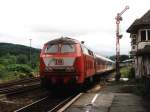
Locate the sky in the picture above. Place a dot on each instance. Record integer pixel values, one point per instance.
(92, 21)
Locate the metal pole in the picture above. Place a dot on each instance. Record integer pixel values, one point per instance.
(30, 60)
(118, 74)
(118, 37)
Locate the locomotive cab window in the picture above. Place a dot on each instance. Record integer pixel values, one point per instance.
(60, 48)
(67, 48)
(51, 49)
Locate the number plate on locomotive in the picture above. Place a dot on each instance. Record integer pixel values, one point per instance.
(59, 62)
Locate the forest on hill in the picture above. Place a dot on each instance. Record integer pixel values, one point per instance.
(15, 61)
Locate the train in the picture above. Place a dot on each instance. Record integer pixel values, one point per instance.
(65, 61)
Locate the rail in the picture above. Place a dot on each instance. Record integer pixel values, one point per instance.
(47, 104)
(19, 81)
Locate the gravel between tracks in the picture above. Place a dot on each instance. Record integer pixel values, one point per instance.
(13, 102)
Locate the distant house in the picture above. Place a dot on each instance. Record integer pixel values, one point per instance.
(140, 45)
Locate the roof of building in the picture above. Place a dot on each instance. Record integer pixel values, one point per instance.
(143, 22)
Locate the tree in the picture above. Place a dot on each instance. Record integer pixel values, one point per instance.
(22, 59)
(122, 57)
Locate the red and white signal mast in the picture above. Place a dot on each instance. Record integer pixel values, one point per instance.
(118, 36)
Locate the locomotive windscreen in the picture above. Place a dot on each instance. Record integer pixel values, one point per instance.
(60, 48)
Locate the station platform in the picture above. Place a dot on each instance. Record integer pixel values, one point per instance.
(109, 99)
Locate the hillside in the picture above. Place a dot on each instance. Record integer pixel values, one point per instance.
(15, 62)
(15, 49)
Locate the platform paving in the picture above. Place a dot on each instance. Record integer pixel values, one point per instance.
(91, 103)
(110, 99)
(127, 103)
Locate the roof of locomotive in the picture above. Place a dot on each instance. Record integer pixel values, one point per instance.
(104, 58)
(64, 40)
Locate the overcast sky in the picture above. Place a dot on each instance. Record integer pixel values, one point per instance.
(90, 20)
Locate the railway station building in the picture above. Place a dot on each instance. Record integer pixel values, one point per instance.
(140, 45)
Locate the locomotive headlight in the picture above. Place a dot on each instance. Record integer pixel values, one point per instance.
(70, 69)
(48, 69)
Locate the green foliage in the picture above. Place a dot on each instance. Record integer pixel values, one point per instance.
(132, 73)
(14, 61)
(8, 59)
(4, 61)
(122, 57)
(2, 68)
(12, 58)
(127, 72)
(142, 85)
(19, 68)
(124, 72)
(18, 54)
(14, 49)
(22, 59)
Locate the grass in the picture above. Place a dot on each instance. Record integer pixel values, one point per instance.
(125, 72)
(141, 86)
(12, 75)
(5, 77)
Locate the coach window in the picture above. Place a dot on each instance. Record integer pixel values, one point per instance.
(51, 49)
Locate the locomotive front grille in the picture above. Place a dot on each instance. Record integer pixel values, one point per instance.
(59, 70)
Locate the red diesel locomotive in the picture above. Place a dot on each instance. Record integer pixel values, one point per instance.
(66, 60)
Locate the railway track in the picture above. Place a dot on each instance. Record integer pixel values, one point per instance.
(15, 99)
(18, 82)
(43, 102)
(11, 91)
(14, 90)
(55, 104)
(48, 104)
(22, 85)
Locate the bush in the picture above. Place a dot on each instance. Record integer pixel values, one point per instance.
(124, 72)
(2, 69)
(131, 73)
(19, 68)
(4, 61)
(21, 75)
(22, 59)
